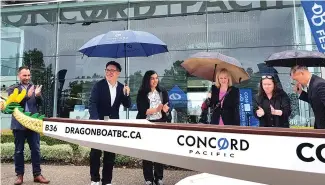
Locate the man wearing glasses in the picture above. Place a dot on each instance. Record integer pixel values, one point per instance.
(106, 97)
(315, 94)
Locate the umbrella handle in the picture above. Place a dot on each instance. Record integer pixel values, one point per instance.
(125, 84)
(214, 73)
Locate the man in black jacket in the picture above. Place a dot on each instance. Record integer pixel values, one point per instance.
(315, 94)
(106, 97)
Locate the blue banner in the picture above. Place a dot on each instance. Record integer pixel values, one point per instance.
(246, 108)
(315, 13)
(177, 97)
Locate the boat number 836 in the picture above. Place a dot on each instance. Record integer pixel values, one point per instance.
(51, 128)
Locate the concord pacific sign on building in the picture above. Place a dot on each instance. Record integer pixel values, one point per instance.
(109, 11)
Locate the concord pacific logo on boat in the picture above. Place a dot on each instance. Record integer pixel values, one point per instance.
(212, 146)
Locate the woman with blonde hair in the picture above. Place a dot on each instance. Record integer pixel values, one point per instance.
(224, 100)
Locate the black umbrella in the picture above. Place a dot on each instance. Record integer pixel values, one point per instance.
(292, 58)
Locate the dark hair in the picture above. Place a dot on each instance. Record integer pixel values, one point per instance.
(23, 67)
(296, 68)
(117, 65)
(145, 86)
(261, 91)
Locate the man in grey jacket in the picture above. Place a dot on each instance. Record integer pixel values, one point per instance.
(30, 103)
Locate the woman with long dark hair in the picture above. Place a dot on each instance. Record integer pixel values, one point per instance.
(152, 104)
(272, 104)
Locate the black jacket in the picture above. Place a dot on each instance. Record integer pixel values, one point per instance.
(143, 104)
(316, 98)
(100, 101)
(230, 109)
(280, 101)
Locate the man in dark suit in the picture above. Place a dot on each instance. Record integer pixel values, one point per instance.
(315, 94)
(106, 97)
(30, 104)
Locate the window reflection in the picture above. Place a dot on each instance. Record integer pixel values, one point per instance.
(186, 27)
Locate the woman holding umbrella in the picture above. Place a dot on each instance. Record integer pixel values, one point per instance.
(152, 103)
(272, 104)
(224, 100)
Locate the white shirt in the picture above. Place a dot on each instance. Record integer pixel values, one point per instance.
(155, 101)
(308, 82)
(112, 91)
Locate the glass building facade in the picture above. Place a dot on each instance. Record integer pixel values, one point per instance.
(47, 36)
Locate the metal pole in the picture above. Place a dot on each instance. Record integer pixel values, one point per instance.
(295, 24)
(209, 115)
(206, 25)
(308, 47)
(127, 59)
(55, 103)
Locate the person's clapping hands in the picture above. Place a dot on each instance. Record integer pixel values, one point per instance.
(38, 90)
(275, 111)
(260, 112)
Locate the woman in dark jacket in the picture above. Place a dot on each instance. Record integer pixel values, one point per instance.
(224, 100)
(152, 103)
(272, 104)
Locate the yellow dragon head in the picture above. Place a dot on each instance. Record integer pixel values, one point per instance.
(14, 98)
(11, 106)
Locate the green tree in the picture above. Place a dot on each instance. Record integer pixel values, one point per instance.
(135, 81)
(176, 75)
(294, 101)
(95, 75)
(41, 75)
(79, 92)
(34, 60)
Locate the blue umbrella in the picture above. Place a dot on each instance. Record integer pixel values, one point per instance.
(127, 43)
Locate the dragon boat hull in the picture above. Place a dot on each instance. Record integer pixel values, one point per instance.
(262, 155)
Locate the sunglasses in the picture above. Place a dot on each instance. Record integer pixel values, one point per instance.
(267, 77)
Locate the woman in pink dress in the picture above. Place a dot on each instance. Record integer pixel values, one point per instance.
(224, 100)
